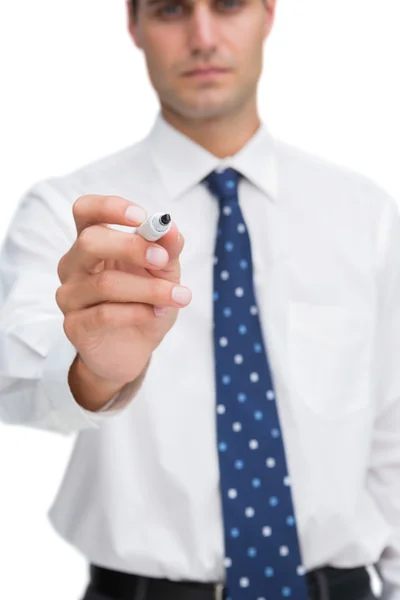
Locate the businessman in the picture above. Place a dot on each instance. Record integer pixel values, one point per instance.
(235, 386)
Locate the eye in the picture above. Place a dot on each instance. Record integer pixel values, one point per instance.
(170, 10)
(231, 3)
(175, 9)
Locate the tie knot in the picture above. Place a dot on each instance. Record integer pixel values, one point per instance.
(224, 184)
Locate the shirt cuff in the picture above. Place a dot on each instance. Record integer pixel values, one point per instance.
(54, 385)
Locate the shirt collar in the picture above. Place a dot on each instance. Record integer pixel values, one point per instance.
(182, 163)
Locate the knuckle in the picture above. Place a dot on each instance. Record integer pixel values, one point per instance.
(70, 326)
(60, 268)
(60, 297)
(86, 240)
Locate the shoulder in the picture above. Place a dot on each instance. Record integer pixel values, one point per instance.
(122, 173)
(327, 182)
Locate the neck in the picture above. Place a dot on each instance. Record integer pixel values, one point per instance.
(221, 136)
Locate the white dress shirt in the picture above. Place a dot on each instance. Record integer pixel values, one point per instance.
(141, 491)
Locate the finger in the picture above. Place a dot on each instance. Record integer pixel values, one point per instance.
(95, 209)
(105, 317)
(98, 243)
(118, 286)
(173, 242)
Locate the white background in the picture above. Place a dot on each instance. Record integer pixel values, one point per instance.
(74, 88)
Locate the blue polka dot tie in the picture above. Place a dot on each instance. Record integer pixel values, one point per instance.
(262, 555)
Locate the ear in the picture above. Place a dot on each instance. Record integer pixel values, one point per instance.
(270, 7)
(132, 24)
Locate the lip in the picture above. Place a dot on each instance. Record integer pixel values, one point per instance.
(206, 73)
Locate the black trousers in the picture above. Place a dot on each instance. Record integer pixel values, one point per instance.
(323, 584)
(90, 595)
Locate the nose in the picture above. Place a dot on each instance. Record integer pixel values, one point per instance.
(203, 31)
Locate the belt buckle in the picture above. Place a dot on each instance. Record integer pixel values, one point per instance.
(219, 591)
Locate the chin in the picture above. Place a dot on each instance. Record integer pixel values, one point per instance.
(198, 104)
(200, 114)
(206, 107)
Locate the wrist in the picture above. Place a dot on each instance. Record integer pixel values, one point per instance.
(90, 391)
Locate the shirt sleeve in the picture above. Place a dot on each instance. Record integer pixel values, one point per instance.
(384, 469)
(35, 353)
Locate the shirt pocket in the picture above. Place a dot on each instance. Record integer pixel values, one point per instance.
(329, 358)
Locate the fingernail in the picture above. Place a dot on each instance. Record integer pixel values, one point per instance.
(181, 295)
(157, 256)
(136, 214)
(160, 311)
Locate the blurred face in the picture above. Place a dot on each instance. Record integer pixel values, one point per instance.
(204, 57)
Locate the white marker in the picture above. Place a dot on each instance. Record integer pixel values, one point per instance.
(154, 227)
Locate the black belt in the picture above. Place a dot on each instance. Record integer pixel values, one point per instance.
(326, 583)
